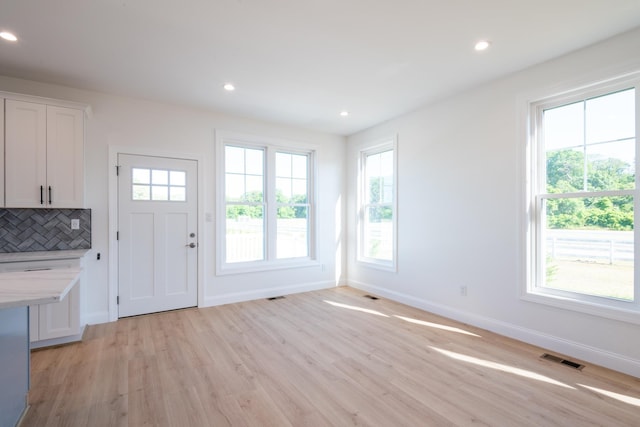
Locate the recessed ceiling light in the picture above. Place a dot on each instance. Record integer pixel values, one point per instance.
(482, 45)
(8, 36)
(229, 87)
(344, 113)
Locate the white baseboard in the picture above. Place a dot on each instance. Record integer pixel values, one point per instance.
(95, 318)
(57, 341)
(587, 353)
(234, 297)
(103, 316)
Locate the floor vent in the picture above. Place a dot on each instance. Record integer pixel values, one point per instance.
(275, 298)
(562, 361)
(371, 297)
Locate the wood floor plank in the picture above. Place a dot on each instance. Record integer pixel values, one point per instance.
(325, 358)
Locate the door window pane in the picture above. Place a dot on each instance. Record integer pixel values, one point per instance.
(178, 178)
(141, 192)
(159, 177)
(177, 194)
(159, 193)
(158, 185)
(140, 176)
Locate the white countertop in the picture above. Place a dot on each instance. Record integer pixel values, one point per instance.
(22, 288)
(41, 255)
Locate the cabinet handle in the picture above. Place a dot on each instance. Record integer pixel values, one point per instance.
(41, 195)
(49, 194)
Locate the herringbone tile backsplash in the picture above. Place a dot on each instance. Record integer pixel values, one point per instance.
(31, 230)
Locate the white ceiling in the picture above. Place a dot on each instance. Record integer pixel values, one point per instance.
(297, 62)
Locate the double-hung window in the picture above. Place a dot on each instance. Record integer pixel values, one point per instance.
(266, 200)
(377, 205)
(583, 194)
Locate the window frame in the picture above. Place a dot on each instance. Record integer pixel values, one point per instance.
(628, 311)
(270, 147)
(377, 147)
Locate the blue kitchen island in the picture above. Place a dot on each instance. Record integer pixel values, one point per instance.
(18, 290)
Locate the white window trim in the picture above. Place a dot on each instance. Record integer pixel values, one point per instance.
(599, 306)
(270, 145)
(378, 146)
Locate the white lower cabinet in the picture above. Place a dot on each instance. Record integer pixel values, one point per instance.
(56, 320)
(55, 323)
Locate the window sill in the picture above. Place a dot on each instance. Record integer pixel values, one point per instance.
(629, 314)
(378, 265)
(257, 267)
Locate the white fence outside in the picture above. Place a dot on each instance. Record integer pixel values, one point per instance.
(245, 239)
(592, 245)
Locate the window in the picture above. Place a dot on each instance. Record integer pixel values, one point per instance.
(267, 205)
(245, 204)
(158, 185)
(292, 201)
(583, 195)
(377, 206)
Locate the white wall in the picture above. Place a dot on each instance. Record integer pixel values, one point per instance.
(143, 125)
(461, 199)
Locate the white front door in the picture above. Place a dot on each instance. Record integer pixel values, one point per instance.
(157, 234)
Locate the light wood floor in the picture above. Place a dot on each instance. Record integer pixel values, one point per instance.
(326, 358)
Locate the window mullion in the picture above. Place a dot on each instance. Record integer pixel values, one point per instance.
(271, 206)
(582, 194)
(585, 161)
(636, 213)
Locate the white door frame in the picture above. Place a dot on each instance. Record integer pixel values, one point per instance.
(114, 151)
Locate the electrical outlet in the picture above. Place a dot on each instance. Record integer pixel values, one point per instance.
(75, 224)
(463, 291)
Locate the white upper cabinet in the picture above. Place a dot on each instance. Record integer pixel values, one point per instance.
(44, 155)
(65, 157)
(25, 154)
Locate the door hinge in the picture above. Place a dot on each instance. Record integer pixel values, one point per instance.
(118, 300)
(117, 170)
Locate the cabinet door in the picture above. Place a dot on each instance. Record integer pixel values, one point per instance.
(62, 318)
(25, 154)
(65, 157)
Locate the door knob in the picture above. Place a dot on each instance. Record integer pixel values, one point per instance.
(191, 245)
